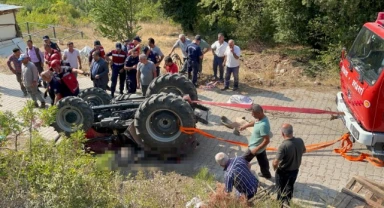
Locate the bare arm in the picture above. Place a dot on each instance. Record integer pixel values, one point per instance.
(138, 78)
(250, 124)
(262, 145)
(79, 59)
(10, 66)
(275, 164)
(78, 71)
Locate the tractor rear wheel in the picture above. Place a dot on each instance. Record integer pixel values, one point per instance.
(72, 114)
(172, 83)
(95, 96)
(158, 120)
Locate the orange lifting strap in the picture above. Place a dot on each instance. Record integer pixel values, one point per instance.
(346, 145)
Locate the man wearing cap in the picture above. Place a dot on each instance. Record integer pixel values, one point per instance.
(194, 55)
(99, 71)
(72, 56)
(159, 54)
(118, 58)
(16, 68)
(135, 45)
(51, 44)
(259, 140)
(96, 47)
(182, 43)
(30, 76)
(238, 175)
(131, 69)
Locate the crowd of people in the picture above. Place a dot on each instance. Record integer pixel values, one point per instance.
(135, 66)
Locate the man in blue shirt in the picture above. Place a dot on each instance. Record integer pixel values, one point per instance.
(194, 56)
(259, 140)
(238, 175)
(131, 69)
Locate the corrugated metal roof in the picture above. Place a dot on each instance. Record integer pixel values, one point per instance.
(6, 7)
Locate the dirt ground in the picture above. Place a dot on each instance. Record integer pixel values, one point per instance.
(260, 66)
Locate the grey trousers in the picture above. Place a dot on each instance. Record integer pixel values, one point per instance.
(35, 95)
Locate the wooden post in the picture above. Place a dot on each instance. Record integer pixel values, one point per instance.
(29, 34)
(54, 32)
(82, 34)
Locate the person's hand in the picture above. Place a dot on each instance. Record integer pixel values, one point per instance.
(232, 49)
(121, 71)
(242, 128)
(97, 76)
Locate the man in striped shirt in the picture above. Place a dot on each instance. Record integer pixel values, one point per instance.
(238, 175)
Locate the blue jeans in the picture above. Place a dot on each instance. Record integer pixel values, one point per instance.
(218, 62)
(115, 74)
(285, 181)
(193, 67)
(229, 71)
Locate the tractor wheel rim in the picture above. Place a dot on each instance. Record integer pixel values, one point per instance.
(93, 100)
(164, 125)
(69, 118)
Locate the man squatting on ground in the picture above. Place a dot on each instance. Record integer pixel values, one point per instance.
(238, 175)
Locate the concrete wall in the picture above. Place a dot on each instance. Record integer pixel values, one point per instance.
(7, 31)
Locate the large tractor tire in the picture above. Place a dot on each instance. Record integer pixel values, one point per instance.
(95, 96)
(172, 83)
(157, 123)
(73, 113)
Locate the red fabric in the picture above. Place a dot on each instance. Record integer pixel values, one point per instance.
(118, 57)
(131, 46)
(173, 69)
(52, 56)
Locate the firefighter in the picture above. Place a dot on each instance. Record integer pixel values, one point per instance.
(117, 63)
(62, 81)
(131, 69)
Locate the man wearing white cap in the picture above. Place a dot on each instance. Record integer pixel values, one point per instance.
(238, 175)
(30, 76)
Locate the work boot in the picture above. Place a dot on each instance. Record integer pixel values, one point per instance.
(25, 94)
(264, 176)
(189, 75)
(42, 105)
(36, 105)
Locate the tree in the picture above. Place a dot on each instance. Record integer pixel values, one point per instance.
(183, 12)
(115, 19)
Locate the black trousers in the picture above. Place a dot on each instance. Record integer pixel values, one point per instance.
(261, 159)
(285, 181)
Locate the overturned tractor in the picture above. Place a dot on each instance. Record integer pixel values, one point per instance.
(152, 123)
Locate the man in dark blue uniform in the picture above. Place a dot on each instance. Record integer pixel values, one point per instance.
(131, 69)
(194, 56)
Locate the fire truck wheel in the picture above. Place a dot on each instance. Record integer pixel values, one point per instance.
(73, 114)
(158, 120)
(95, 96)
(172, 83)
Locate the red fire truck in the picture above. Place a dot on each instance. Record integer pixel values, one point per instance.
(362, 91)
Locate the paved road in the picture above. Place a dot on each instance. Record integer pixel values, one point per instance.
(323, 173)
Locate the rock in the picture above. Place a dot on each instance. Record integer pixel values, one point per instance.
(317, 83)
(282, 71)
(277, 69)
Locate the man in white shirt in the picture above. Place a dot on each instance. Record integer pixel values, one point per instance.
(218, 50)
(232, 64)
(72, 56)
